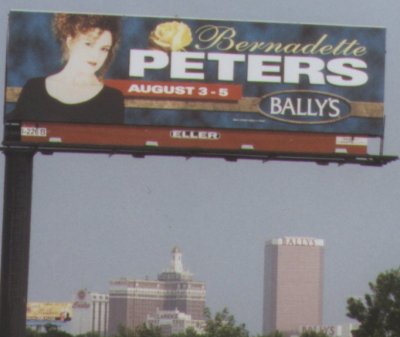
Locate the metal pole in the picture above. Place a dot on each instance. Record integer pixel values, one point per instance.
(15, 242)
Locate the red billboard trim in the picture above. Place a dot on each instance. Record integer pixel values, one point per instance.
(168, 138)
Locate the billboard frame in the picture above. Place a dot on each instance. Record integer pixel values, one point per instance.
(232, 156)
(322, 40)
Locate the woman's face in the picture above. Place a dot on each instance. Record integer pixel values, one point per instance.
(88, 51)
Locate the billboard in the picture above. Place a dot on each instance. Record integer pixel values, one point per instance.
(49, 311)
(95, 81)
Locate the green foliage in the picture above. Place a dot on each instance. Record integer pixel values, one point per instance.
(57, 333)
(274, 334)
(51, 331)
(311, 333)
(147, 331)
(32, 333)
(379, 312)
(124, 332)
(223, 324)
(89, 334)
(190, 332)
(141, 331)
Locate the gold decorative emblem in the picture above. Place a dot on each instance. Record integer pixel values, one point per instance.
(171, 36)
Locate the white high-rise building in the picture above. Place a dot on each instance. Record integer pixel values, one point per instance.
(90, 313)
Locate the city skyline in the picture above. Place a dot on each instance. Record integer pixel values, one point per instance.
(293, 279)
(96, 217)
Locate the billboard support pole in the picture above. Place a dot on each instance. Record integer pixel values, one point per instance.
(382, 138)
(15, 242)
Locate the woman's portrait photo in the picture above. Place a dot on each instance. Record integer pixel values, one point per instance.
(76, 93)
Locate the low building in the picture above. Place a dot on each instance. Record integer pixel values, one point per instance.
(343, 330)
(173, 321)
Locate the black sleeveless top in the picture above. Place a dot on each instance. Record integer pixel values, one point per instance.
(36, 105)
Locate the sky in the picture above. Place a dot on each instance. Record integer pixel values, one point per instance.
(97, 217)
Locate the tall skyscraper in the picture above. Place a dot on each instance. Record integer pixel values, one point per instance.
(132, 300)
(293, 283)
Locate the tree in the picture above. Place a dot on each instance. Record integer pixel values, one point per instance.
(32, 333)
(190, 332)
(145, 330)
(140, 331)
(312, 333)
(56, 333)
(223, 324)
(379, 312)
(89, 334)
(274, 334)
(123, 331)
(51, 331)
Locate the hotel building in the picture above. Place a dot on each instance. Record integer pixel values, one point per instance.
(293, 281)
(132, 300)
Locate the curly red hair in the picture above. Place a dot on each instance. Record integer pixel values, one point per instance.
(65, 25)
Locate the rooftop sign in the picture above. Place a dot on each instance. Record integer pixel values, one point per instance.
(298, 241)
